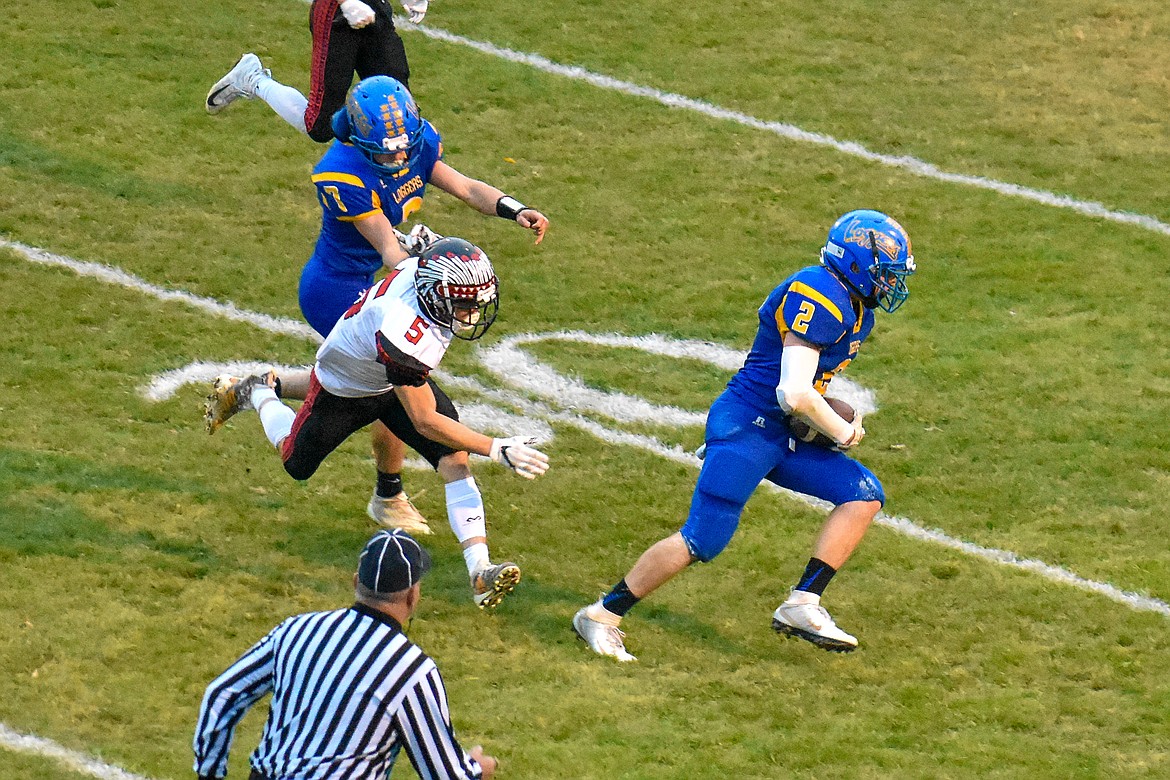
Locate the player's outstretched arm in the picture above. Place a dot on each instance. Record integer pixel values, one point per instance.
(515, 452)
(419, 403)
(487, 199)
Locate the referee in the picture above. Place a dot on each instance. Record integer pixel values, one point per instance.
(349, 690)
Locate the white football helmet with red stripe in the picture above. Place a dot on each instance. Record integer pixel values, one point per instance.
(457, 287)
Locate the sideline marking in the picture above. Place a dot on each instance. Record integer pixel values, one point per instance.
(793, 133)
(1135, 601)
(47, 748)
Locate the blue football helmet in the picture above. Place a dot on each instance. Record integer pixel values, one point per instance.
(381, 118)
(871, 254)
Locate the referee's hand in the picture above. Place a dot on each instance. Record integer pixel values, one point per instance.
(487, 763)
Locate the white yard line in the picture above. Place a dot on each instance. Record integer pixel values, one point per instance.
(793, 133)
(24, 743)
(47, 748)
(166, 385)
(719, 356)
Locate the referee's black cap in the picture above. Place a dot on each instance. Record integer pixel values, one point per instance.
(392, 561)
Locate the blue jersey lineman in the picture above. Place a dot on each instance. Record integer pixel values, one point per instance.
(810, 328)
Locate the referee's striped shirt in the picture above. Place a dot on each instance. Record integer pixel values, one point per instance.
(349, 691)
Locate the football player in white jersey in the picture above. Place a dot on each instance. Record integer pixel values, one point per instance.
(375, 365)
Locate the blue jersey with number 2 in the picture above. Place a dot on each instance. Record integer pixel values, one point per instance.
(815, 306)
(747, 436)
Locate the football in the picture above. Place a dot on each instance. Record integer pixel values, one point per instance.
(800, 429)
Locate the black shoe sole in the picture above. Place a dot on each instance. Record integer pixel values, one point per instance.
(832, 645)
(212, 97)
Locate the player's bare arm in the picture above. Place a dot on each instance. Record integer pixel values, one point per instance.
(376, 229)
(419, 403)
(514, 452)
(487, 199)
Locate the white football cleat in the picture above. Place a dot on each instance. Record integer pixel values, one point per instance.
(240, 82)
(810, 621)
(397, 512)
(603, 638)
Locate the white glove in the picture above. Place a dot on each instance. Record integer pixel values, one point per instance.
(516, 454)
(420, 238)
(856, 437)
(357, 13)
(416, 8)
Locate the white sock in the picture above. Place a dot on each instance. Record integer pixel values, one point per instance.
(476, 557)
(276, 418)
(286, 101)
(465, 509)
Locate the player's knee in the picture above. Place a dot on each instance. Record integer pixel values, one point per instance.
(453, 467)
(322, 131)
(705, 543)
(711, 525)
(299, 469)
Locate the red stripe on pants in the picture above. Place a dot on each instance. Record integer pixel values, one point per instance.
(286, 447)
(321, 25)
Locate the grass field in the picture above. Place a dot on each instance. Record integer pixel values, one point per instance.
(1021, 390)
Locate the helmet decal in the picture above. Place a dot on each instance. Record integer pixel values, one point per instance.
(871, 255)
(384, 124)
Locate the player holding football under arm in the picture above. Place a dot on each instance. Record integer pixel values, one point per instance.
(369, 180)
(375, 365)
(811, 327)
(348, 36)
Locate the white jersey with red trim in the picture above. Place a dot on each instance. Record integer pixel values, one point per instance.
(383, 340)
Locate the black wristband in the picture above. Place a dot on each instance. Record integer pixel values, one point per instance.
(509, 208)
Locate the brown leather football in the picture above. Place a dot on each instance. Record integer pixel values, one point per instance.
(805, 432)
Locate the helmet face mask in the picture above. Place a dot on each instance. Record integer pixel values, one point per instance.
(384, 124)
(457, 287)
(871, 254)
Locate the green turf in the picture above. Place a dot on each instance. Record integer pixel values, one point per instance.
(1021, 389)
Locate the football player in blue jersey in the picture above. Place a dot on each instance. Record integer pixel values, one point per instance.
(811, 327)
(373, 177)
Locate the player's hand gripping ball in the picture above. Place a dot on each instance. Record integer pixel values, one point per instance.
(800, 429)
